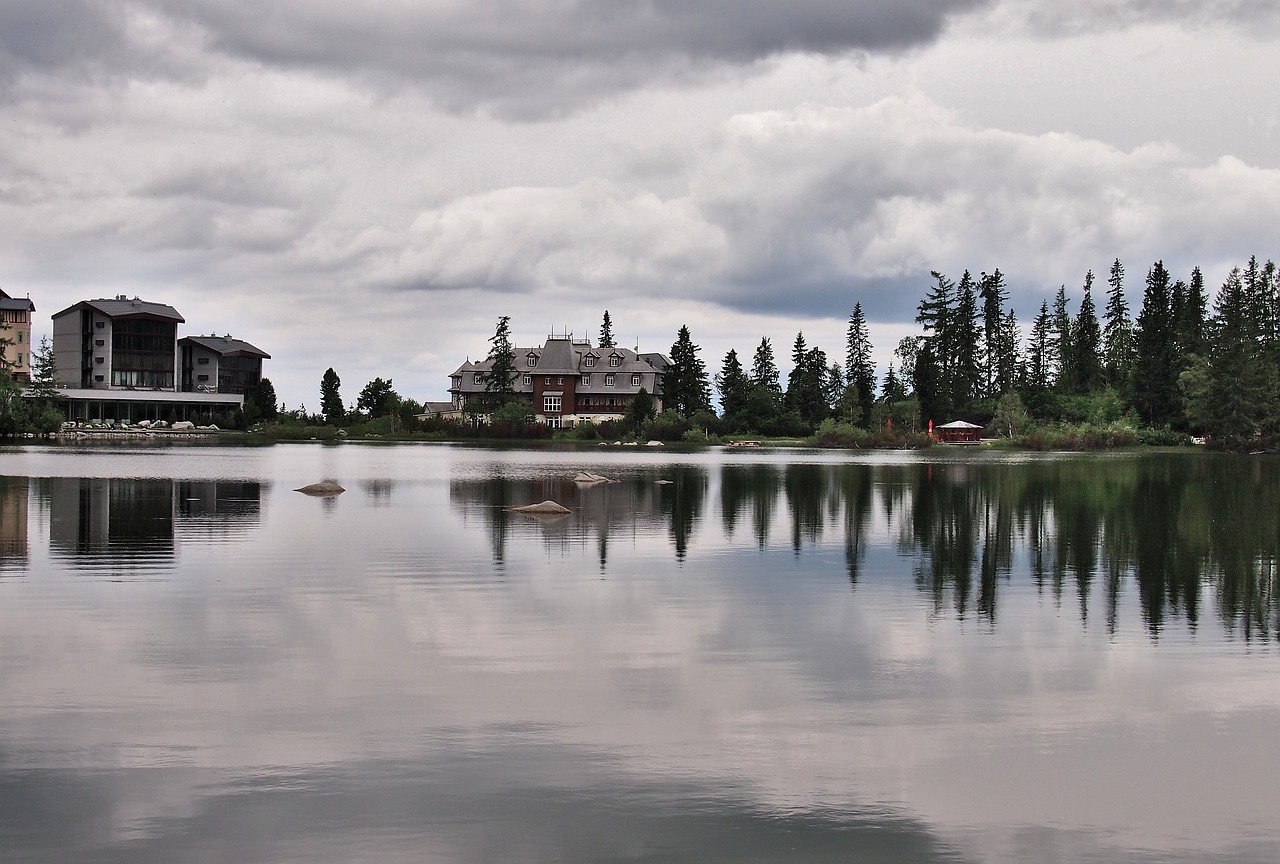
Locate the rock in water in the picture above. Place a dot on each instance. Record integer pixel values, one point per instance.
(324, 490)
(546, 508)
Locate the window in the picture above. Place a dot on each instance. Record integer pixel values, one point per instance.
(586, 400)
(97, 378)
(100, 324)
(479, 378)
(19, 337)
(202, 377)
(635, 380)
(591, 361)
(610, 400)
(608, 380)
(559, 379)
(528, 380)
(202, 360)
(533, 361)
(550, 404)
(99, 360)
(100, 342)
(547, 380)
(586, 380)
(19, 359)
(615, 360)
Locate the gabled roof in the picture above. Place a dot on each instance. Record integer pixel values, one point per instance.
(123, 307)
(19, 304)
(226, 346)
(958, 424)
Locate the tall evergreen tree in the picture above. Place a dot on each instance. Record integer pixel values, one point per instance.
(330, 397)
(967, 375)
(500, 377)
(1064, 357)
(1117, 332)
(936, 313)
(994, 295)
(685, 386)
(733, 385)
(1235, 395)
(1191, 319)
(927, 381)
(859, 369)
(1008, 355)
(1087, 343)
(764, 369)
(1155, 367)
(606, 332)
(1039, 367)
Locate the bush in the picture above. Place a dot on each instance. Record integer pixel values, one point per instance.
(833, 433)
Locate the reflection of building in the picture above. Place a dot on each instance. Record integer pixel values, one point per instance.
(569, 381)
(117, 360)
(220, 364)
(13, 521)
(132, 520)
(115, 517)
(15, 326)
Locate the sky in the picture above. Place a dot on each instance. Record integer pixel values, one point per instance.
(370, 186)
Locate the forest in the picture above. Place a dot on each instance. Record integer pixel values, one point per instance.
(1182, 365)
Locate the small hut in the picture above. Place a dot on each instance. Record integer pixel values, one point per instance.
(958, 432)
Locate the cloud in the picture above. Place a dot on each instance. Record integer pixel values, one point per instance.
(531, 59)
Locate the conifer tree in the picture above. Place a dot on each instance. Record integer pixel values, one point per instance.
(685, 384)
(1117, 332)
(764, 370)
(858, 366)
(330, 398)
(1191, 319)
(936, 314)
(993, 296)
(606, 332)
(1155, 367)
(966, 376)
(1064, 357)
(1039, 369)
(733, 385)
(1087, 343)
(499, 378)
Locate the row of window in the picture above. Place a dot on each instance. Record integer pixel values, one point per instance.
(559, 379)
(614, 360)
(551, 404)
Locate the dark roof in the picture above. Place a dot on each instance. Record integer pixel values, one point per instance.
(20, 303)
(123, 307)
(225, 345)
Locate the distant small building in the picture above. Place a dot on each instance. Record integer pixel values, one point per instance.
(570, 381)
(958, 432)
(15, 326)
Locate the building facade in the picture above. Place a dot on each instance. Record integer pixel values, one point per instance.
(219, 364)
(120, 360)
(15, 333)
(570, 381)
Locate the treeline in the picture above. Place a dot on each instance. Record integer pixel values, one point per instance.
(1179, 367)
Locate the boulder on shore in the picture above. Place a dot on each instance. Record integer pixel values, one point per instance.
(182, 426)
(324, 490)
(546, 508)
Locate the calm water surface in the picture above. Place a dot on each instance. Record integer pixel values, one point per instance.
(794, 656)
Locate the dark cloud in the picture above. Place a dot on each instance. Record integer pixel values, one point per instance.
(527, 59)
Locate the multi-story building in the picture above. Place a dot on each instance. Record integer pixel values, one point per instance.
(15, 331)
(220, 364)
(570, 381)
(118, 360)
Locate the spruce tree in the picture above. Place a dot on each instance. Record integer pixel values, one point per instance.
(330, 397)
(606, 332)
(1087, 343)
(685, 387)
(936, 314)
(858, 366)
(1155, 367)
(967, 375)
(1117, 332)
(994, 295)
(1064, 357)
(498, 380)
(733, 385)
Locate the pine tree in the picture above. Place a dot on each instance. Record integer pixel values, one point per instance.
(994, 295)
(1087, 343)
(764, 370)
(330, 397)
(967, 375)
(1155, 367)
(1064, 357)
(733, 385)
(685, 384)
(858, 366)
(606, 332)
(1117, 333)
(499, 378)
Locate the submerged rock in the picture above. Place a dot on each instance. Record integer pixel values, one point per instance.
(588, 477)
(546, 508)
(326, 489)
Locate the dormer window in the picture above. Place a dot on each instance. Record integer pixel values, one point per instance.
(533, 360)
(615, 360)
(590, 361)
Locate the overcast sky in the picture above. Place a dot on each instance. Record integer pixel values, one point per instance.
(368, 186)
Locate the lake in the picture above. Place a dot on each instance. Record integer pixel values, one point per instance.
(725, 656)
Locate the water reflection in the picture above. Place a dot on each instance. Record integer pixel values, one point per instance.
(1077, 528)
(136, 523)
(13, 522)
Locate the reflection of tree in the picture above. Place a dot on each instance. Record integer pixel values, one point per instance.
(806, 487)
(943, 527)
(753, 486)
(854, 485)
(681, 502)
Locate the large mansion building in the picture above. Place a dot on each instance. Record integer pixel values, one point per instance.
(570, 381)
(15, 329)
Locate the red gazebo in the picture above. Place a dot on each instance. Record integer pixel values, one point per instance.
(958, 432)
